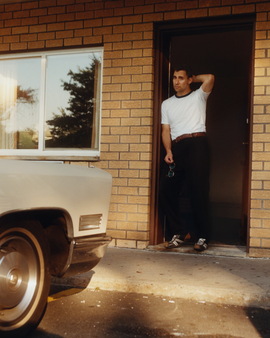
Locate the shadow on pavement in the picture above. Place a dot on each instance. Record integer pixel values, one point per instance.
(260, 318)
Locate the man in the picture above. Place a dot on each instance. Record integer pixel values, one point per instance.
(187, 155)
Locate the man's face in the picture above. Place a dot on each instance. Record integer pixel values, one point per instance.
(181, 83)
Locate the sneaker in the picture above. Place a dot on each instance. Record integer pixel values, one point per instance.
(201, 245)
(177, 240)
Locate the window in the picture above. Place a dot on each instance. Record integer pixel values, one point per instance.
(50, 104)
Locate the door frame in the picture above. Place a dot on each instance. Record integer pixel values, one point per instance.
(163, 32)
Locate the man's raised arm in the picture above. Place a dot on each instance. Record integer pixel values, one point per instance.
(207, 80)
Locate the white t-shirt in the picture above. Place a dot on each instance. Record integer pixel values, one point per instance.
(186, 114)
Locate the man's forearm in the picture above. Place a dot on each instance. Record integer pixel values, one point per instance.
(207, 80)
(166, 140)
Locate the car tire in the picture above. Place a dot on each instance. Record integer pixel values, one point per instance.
(24, 277)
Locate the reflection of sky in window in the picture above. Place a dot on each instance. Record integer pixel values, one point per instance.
(26, 73)
(57, 69)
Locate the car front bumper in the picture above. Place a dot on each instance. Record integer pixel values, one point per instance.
(85, 254)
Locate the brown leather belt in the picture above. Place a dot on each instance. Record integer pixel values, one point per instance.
(179, 138)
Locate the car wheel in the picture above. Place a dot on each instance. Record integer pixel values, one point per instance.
(24, 277)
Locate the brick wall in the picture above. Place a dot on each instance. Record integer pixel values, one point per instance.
(125, 28)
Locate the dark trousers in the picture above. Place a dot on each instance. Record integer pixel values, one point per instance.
(191, 158)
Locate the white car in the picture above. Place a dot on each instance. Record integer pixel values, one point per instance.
(53, 220)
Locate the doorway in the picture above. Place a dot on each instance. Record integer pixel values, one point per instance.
(225, 49)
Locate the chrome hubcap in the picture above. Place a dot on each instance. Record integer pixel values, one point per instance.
(14, 278)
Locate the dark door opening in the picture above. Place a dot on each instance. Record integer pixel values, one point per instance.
(226, 52)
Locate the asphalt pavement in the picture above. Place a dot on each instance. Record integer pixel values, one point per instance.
(222, 275)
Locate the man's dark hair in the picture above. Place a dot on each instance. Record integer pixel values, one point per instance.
(184, 67)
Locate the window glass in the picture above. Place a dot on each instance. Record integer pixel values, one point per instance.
(71, 93)
(50, 104)
(19, 103)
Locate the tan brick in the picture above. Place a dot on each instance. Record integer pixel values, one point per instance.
(47, 3)
(138, 199)
(137, 235)
(111, 105)
(258, 253)
(46, 36)
(145, 192)
(137, 182)
(127, 225)
(21, 14)
(120, 113)
(196, 13)
(254, 213)
(255, 242)
(139, 165)
(259, 71)
(266, 223)
(266, 185)
(259, 90)
(128, 191)
(262, 62)
(187, 4)
(243, 9)
(141, 112)
(260, 233)
(30, 5)
(265, 243)
(54, 43)
(126, 243)
(258, 128)
(130, 121)
(146, 157)
(122, 29)
(256, 204)
(36, 45)
(119, 147)
(120, 96)
(74, 25)
(110, 139)
(142, 78)
(57, 10)
(261, 99)
(141, 130)
(141, 147)
(112, 21)
(220, 11)
(20, 30)
(92, 23)
(132, 53)
(120, 130)
(12, 7)
(143, 244)
(266, 204)
(263, 7)
(103, 13)
(129, 173)
(109, 156)
(129, 156)
(261, 81)
(18, 46)
(256, 185)
(55, 27)
(119, 199)
(11, 39)
(257, 166)
(260, 194)
(255, 223)
(116, 233)
(92, 40)
(131, 87)
(132, 19)
(47, 19)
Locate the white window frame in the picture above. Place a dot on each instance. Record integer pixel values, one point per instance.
(63, 154)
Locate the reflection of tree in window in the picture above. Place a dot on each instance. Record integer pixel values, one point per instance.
(14, 105)
(74, 127)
